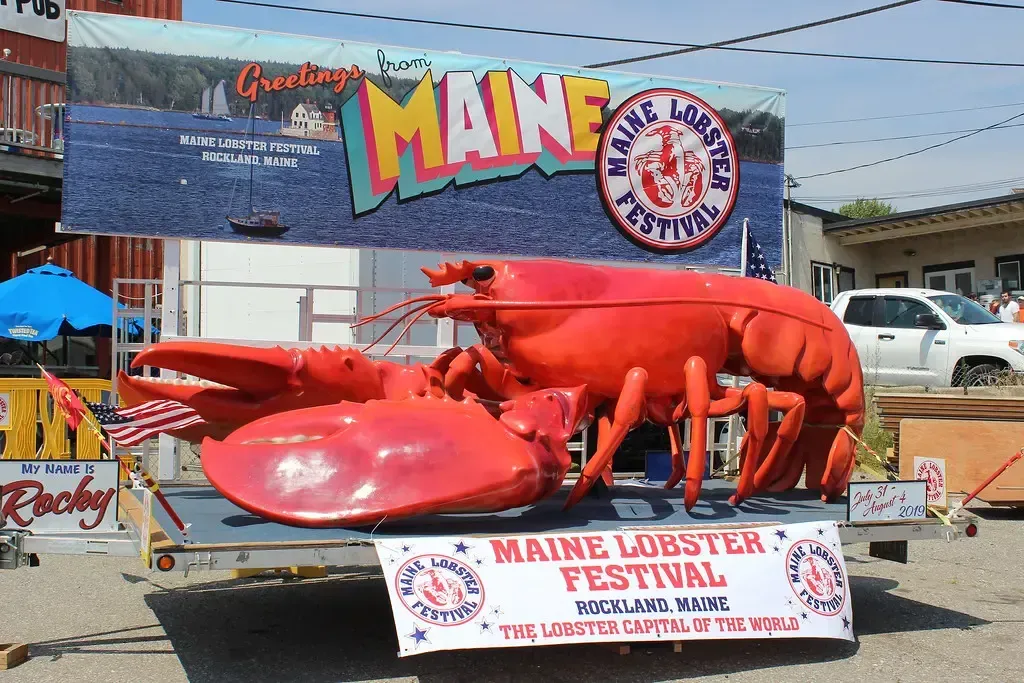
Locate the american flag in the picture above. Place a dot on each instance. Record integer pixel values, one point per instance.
(757, 264)
(132, 426)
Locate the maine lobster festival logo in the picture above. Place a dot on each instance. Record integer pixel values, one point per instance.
(930, 471)
(440, 590)
(667, 170)
(817, 577)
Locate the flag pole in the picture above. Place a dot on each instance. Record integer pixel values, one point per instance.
(743, 248)
(143, 475)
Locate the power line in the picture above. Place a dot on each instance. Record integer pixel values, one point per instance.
(933, 192)
(896, 137)
(918, 151)
(755, 36)
(635, 41)
(905, 116)
(979, 3)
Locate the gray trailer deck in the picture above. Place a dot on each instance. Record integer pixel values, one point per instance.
(223, 536)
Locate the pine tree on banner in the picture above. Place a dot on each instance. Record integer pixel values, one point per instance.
(132, 426)
(754, 262)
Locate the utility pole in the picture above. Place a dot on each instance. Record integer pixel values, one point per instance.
(787, 239)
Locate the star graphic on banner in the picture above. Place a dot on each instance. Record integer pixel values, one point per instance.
(781, 533)
(419, 635)
(496, 612)
(775, 549)
(405, 548)
(821, 532)
(479, 561)
(461, 547)
(392, 560)
(846, 623)
(803, 615)
(485, 626)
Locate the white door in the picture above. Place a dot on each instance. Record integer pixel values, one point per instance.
(858, 320)
(910, 355)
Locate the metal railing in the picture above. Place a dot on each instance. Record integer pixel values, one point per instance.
(31, 111)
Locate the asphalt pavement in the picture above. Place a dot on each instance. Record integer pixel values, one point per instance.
(954, 613)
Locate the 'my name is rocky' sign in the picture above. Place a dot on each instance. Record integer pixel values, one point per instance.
(61, 496)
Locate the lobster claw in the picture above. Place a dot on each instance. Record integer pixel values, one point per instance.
(238, 384)
(355, 464)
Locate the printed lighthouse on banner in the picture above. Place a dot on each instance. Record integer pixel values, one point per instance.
(643, 584)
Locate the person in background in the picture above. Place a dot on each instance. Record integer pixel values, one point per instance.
(993, 306)
(1009, 310)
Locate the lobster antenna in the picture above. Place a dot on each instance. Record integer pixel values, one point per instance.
(627, 303)
(395, 307)
(398, 321)
(420, 312)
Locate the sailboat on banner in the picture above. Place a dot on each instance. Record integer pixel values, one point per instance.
(256, 223)
(214, 104)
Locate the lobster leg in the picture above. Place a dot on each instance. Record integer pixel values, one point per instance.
(793, 406)
(493, 376)
(629, 411)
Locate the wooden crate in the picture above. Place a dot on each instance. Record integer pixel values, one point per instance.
(972, 451)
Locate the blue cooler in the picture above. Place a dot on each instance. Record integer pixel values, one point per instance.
(659, 465)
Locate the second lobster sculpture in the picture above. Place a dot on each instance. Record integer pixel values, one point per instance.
(646, 343)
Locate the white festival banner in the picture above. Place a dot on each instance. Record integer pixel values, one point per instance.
(640, 584)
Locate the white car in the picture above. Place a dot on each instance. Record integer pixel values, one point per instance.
(926, 337)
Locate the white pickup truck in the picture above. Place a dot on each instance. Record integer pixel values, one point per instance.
(925, 337)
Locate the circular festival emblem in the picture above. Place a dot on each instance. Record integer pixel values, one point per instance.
(932, 473)
(3, 410)
(817, 577)
(667, 170)
(440, 590)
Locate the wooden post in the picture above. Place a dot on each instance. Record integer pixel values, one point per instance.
(12, 654)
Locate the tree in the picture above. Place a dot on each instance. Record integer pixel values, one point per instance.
(866, 208)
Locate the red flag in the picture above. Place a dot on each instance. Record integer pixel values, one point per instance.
(65, 399)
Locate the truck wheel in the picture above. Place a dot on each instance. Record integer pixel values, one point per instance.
(981, 375)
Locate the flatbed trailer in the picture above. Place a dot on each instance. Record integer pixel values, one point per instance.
(222, 536)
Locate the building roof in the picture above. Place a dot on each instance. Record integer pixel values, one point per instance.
(807, 209)
(309, 107)
(978, 213)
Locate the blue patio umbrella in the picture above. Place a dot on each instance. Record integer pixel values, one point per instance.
(48, 302)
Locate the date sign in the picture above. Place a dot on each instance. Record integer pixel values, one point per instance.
(872, 501)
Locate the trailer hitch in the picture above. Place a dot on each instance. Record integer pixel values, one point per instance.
(12, 551)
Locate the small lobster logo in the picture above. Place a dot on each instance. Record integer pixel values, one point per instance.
(930, 471)
(439, 589)
(666, 181)
(817, 577)
(667, 169)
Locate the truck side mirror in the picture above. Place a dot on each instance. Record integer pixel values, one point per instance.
(929, 321)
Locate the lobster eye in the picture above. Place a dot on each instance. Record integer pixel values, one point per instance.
(483, 273)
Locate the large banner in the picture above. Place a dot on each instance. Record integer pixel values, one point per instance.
(663, 583)
(191, 131)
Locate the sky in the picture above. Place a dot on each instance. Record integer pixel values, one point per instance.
(817, 89)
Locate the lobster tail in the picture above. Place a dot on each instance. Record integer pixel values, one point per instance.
(834, 420)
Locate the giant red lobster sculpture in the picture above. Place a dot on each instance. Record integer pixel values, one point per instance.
(636, 344)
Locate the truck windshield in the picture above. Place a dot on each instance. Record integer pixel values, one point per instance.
(963, 310)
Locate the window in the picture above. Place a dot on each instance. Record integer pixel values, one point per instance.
(858, 311)
(821, 282)
(847, 279)
(951, 277)
(1009, 269)
(900, 312)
